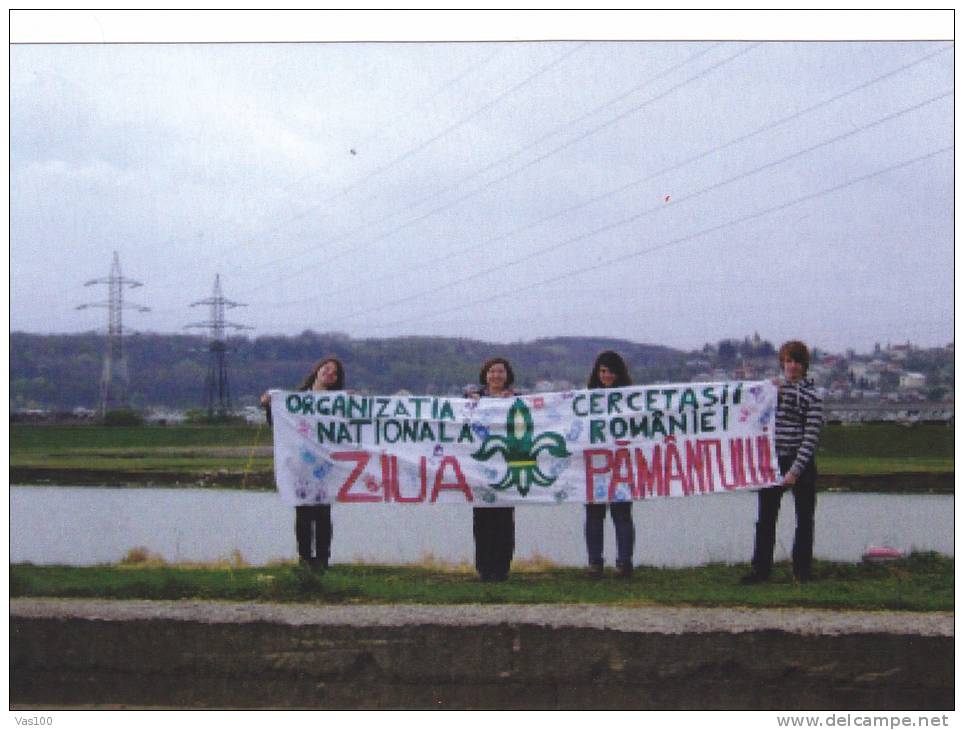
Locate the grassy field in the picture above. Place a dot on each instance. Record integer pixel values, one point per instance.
(31, 438)
(888, 439)
(220, 455)
(877, 448)
(240, 455)
(922, 582)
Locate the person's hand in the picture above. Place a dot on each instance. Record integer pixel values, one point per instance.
(266, 399)
(789, 479)
(777, 381)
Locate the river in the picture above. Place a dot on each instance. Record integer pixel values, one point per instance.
(92, 525)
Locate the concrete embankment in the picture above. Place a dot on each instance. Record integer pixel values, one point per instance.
(212, 654)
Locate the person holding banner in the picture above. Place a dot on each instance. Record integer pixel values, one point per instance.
(610, 371)
(799, 420)
(494, 527)
(313, 521)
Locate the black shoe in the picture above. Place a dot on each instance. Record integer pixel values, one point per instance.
(595, 571)
(753, 578)
(318, 565)
(803, 577)
(624, 570)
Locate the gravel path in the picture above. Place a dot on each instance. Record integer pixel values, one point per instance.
(664, 620)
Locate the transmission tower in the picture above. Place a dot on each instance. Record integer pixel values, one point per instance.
(216, 382)
(115, 379)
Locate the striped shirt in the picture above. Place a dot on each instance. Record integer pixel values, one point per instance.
(799, 420)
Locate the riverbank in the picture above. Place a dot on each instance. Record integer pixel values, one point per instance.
(195, 654)
(920, 582)
(909, 482)
(261, 481)
(145, 633)
(885, 458)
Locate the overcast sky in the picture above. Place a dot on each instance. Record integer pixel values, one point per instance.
(665, 192)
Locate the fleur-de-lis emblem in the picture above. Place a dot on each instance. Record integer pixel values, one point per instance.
(521, 451)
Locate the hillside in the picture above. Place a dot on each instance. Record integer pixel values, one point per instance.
(62, 372)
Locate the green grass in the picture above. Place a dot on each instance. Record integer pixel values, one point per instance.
(921, 582)
(873, 440)
(886, 448)
(144, 462)
(895, 465)
(887, 441)
(28, 438)
(140, 449)
(863, 449)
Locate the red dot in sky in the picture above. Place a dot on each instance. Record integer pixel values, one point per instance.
(666, 199)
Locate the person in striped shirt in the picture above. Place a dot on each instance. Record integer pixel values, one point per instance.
(798, 423)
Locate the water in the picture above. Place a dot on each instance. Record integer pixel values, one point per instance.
(91, 525)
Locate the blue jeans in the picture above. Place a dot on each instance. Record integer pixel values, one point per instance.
(622, 513)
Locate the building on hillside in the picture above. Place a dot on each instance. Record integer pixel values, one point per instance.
(864, 375)
(912, 381)
(899, 352)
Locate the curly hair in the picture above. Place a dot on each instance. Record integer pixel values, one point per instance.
(614, 362)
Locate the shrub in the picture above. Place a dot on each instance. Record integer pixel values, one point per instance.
(123, 418)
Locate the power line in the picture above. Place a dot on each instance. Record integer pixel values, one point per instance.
(115, 377)
(216, 383)
(391, 122)
(370, 136)
(676, 241)
(451, 82)
(505, 158)
(610, 226)
(408, 153)
(527, 165)
(638, 181)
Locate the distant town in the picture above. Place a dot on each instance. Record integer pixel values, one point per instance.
(169, 381)
(895, 382)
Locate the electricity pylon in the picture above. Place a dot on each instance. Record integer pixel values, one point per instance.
(216, 383)
(115, 378)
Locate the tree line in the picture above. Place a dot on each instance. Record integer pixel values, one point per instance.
(62, 371)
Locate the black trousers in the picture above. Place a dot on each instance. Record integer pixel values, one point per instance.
(805, 503)
(313, 532)
(622, 514)
(494, 531)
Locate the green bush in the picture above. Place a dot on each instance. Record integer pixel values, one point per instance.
(123, 417)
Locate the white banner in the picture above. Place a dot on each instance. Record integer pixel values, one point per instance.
(547, 448)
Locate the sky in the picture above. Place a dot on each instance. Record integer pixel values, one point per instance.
(672, 192)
